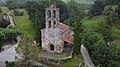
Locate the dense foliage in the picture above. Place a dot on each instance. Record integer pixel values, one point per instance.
(105, 7)
(0, 10)
(118, 11)
(97, 8)
(10, 64)
(4, 23)
(38, 25)
(78, 36)
(11, 4)
(17, 13)
(105, 55)
(28, 51)
(8, 34)
(74, 11)
(14, 4)
(105, 29)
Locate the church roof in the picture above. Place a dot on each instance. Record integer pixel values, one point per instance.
(69, 39)
(63, 27)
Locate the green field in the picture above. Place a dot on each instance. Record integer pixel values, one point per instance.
(82, 1)
(23, 23)
(92, 24)
(4, 9)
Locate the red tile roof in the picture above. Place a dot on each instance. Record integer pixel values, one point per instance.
(63, 27)
(69, 39)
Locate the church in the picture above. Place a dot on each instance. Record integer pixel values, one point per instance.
(56, 35)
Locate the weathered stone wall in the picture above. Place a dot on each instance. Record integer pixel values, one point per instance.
(57, 61)
(51, 35)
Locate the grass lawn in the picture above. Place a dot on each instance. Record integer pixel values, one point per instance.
(4, 9)
(23, 23)
(74, 61)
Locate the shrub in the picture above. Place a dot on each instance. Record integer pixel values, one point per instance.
(4, 23)
(9, 64)
(17, 13)
(8, 34)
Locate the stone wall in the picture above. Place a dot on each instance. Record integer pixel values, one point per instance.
(54, 61)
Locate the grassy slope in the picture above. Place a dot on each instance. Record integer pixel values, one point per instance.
(82, 1)
(23, 23)
(92, 24)
(4, 9)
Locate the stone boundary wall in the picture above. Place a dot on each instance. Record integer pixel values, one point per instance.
(56, 61)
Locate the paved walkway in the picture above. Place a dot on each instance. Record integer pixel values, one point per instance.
(87, 60)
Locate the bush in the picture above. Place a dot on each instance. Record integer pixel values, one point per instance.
(8, 34)
(4, 23)
(17, 13)
(10, 64)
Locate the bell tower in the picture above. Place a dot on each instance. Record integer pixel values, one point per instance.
(52, 17)
(51, 35)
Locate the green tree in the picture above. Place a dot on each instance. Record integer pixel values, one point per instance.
(108, 10)
(0, 10)
(29, 51)
(97, 8)
(105, 55)
(73, 11)
(105, 28)
(118, 11)
(78, 36)
(39, 21)
(11, 4)
(8, 34)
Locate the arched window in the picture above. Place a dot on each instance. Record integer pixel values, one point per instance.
(49, 13)
(54, 24)
(49, 24)
(54, 12)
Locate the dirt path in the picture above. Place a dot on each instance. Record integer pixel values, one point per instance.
(11, 18)
(87, 59)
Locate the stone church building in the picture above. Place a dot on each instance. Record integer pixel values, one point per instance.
(56, 35)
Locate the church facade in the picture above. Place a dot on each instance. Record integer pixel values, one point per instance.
(55, 34)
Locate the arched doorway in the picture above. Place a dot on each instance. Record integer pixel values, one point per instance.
(51, 47)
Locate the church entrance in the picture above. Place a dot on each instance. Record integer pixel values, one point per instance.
(51, 47)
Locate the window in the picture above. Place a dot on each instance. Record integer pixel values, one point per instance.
(54, 12)
(49, 13)
(49, 24)
(54, 24)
